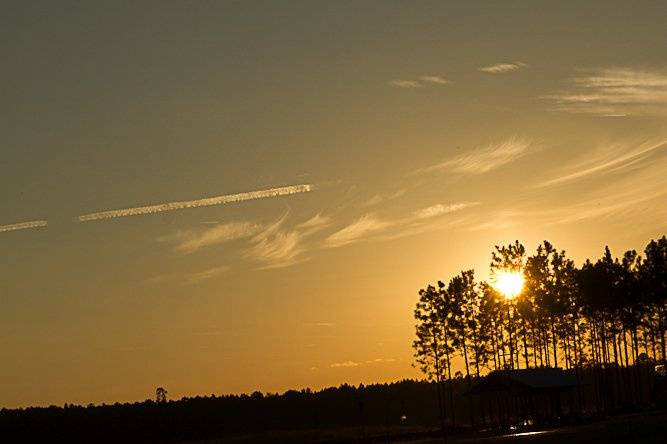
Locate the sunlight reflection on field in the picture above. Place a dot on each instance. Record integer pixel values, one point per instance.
(540, 432)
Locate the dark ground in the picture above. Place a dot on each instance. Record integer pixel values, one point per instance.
(642, 428)
(636, 428)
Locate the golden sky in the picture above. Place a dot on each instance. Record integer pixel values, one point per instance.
(238, 196)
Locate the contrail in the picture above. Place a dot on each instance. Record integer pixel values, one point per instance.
(24, 225)
(206, 202)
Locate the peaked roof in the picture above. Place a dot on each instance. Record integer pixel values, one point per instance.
(531, 379)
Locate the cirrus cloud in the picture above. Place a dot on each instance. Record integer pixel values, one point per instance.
(192, 240)
(209, 273)
(502, 68)
(356, 231)
(439, 209)
(614, 92)
(483, 160)
(423, 81)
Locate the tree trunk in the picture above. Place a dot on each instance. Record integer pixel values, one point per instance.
(661, 330)
(525, 343)
(625, 348)
(438, 378)
(465, 357)
(535, 346)
(603, 339)
(449, 376)
(555, 343)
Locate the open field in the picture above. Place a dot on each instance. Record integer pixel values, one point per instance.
(638, 428)
(641, 428)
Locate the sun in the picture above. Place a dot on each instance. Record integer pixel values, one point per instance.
(509, 283)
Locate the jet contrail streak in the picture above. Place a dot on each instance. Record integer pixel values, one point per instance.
(23, 225)
(206, 202)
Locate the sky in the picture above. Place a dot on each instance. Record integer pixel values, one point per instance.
(222, 197)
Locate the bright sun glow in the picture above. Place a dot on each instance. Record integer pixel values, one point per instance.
(509, 284)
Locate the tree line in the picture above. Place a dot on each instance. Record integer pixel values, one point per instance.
(607, 312)
(293, 416)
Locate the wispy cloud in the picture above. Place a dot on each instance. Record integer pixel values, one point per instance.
(425, 219)
(371, 227)
(356, 231)
(275, 247)
(314, 224)
(615, 92)
(438, 80)
(633, 200)
(271, 245)
(439, 209)
(406, 83)
(321, 324)
(485, 159)
(189, 278)
(500, 220)
(209, 201)
(423, 81)
(501, 68)
(598, 208)
(380, 360)
(193, 240)
(23, 225)
(352, 364)
(159, 279)
(615, 157)
(635, 197)
(373, 201)
(278, 247)
(345, 364)
(209, 273)
(378, 198)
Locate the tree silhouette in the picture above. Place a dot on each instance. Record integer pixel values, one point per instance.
(160, 395)
(606, 312)
(431, 344)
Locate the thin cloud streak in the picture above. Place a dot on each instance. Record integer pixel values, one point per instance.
(438, 80)
(406, 83)
(646, 186)
(596, 209)
(421, 83)
(191, 241)
(378, 198)
(439, 209)
(370, 227)
(501, 68)
(321, 324)
(23, 226)
(615, 159)
(345, 364)
(210, 201)
(270, 245)
(629, 201)
(352, 364)
(207, 274)
(485, 159)
(314, 224)
(276, 247)
(356, 231)
(614, 92)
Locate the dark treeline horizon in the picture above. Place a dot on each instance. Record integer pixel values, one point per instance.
(403, 407)
(407, 403)
(610, 312)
